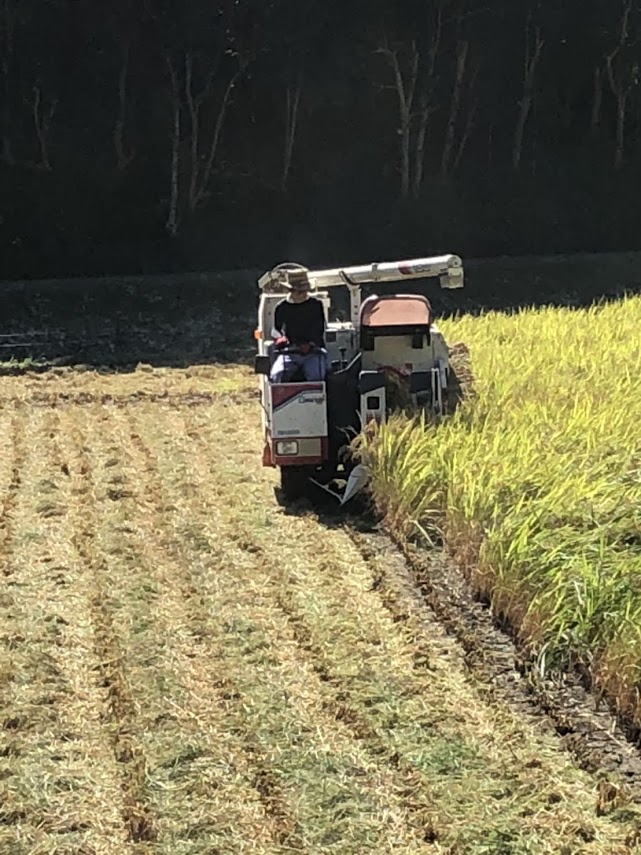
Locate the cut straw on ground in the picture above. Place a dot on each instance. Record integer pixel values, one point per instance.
(225, 675)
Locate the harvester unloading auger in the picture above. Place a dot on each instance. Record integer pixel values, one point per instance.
(390, 354)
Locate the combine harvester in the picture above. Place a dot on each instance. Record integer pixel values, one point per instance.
(389, 349)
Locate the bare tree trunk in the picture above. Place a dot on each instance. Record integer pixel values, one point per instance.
(462, 50)
(426, 103)
(622, 77)
(124, 156)
(405, 90)
(517, 148)
(419, 150)
(532, 57)
(621, 89)
(291, 126)
(597, 99)
(193, 105)
(215, 141)
(405, 131)
(472, 107)
(8, 23)
(42, 119)
(199, 166)
(534, 164)
(465, 136)
(620, 135)
(173, 218)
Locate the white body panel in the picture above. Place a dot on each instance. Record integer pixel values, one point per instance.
(374, 407)
(397, 351)
(302, 415)
(341, 342)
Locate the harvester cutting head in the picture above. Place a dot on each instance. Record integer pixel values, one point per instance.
(390, 354)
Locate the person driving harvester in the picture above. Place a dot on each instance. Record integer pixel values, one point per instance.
(299, 333)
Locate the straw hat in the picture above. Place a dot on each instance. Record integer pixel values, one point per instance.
(298, 280)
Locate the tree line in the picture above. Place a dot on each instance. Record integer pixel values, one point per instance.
(223, 128)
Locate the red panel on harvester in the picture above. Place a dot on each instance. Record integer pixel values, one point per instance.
(398, 310)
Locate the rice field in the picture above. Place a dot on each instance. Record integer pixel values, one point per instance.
(535, 485)
(186, 667)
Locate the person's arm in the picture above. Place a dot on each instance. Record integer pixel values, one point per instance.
(279, 321)
(318, 330)
(279, 335)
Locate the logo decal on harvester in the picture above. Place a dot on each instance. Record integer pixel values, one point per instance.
(290, 393)
(408, 269)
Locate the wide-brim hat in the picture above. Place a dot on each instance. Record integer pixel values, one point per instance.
(298, 280)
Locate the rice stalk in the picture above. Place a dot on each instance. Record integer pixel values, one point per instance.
(535, 484)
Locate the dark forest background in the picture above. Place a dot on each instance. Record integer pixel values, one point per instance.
(140, 136)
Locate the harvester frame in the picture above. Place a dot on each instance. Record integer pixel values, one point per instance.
(309, 426)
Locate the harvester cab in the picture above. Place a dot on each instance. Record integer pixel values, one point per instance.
(389, 354)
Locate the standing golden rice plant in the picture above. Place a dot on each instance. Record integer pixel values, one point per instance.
(534, 484)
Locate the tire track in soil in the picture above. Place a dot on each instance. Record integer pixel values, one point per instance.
(60, 784)
(412, 592)
(586, 728)
(12, 460)
(401, 611)
(210, 700)
(82, 680)
(12, 456)
(348, 714)
(337, 703)
(48, 400)
(341, 710)
(337, 716)
(120, 713)
(304, 663)
(407, 605)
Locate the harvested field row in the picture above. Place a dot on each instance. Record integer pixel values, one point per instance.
(189, 668)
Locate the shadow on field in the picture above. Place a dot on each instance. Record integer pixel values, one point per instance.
(181, 320)
(172, 321)
(358, 514)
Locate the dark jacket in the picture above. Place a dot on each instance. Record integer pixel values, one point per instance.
(301, 323)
